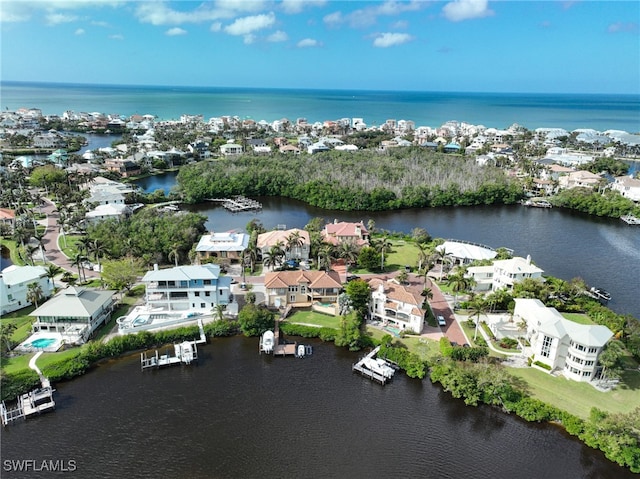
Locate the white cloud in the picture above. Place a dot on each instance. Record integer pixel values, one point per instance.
(308, 42)
(278, 36)
(385, 40)
(117, 36)
(243, 26)
(215, 27)
(175, 31)
(631, 27)
(368, 16)
(79, 31)
(58, 18)
(296, 6)
(159, 13)
(459, 10)
(23, 10)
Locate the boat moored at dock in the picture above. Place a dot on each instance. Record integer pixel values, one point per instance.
(376, 369)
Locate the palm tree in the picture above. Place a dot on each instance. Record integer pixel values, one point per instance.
(325, 256)
(349, 251)
(444, 257)
(174, 253)
(30, 250)
(6, 331)
(251, 255)
(477, 308)
(428, 294)
(458, 282)
(382, 246)
(79, 262)
(53, 270)
(34, 293)
(294, 243)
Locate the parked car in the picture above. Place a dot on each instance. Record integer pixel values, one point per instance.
(352, 277)
(441, 321)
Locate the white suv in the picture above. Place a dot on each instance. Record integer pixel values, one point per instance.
(441, 321)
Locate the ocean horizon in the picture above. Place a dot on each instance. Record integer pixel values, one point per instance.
(570, 111)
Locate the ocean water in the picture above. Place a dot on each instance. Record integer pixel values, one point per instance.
(569, 111)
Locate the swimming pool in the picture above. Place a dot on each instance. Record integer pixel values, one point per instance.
(43, 342)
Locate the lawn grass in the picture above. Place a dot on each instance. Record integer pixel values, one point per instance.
(15, 364)
(579, 318)
(72, 245)
(23, 322)
(578, 398)
(47, 359)
(127, 302)
(315, 318)
(403, 253)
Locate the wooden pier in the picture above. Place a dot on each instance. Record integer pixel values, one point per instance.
(270, 343)
(377, 370)
(238, 203)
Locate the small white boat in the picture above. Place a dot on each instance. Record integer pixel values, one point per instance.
(301, 351)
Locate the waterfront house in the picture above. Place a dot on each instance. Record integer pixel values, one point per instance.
(126, 168)
(560, 344)
(285, 237)
(465, 252)
(230, 148)
(8, 218)
(14, 286)
(116, 211)
(76, 313)
(316, 289)
(339, 232)
(504, 273)
(579, 179)
(396, 305)
(227, 245)
(627, 187)
(187, 288)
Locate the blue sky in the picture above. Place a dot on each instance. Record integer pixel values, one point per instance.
(460, 45)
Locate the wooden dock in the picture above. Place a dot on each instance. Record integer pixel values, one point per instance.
(376, 370)
(270, 343)
(238, 203)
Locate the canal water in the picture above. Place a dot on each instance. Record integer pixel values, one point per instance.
(602, 251)
(237, 414)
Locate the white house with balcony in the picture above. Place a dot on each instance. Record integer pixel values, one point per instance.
(627, 187)
(187, 288)
(75, 313)
(396, 305)
(504, 273)
(508, 272)
(14, 286)
(560, 344)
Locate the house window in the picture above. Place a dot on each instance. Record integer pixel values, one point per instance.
(586, 373)
(292, 298)
(593, 350)
(546, 346)
(202, 305)
(197, 293)
(207, 282)
(588, 363)
(293, 289)
(207, 293)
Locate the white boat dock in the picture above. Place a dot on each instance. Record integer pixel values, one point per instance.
(630, 220)
(238, 203)
(270, 344)
(376, 369)
(184, 353)
(37, 401)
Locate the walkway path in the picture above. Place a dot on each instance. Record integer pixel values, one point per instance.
(50, 242)
(32, 365)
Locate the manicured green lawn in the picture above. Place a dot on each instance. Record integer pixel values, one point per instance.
(403, 253)
(317, 319)
(47, 359)
(71, 249)
(578, 398)
(22, 320)
(17, 363)
(128, 300)
(579, 318)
